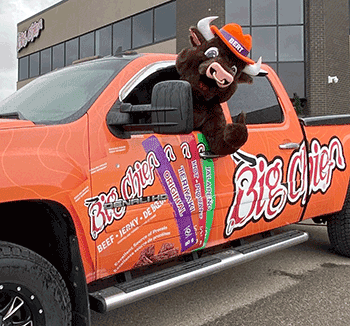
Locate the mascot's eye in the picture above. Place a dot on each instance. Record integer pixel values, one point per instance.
(212, 52)
(234, 68)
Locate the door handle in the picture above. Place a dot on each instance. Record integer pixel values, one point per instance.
(209, 155)
(289, 146)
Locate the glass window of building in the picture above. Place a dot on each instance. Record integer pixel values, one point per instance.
(291, 43)
(72, 51)
(264, 43)
(165, 22)
(58, 56)
(246, 30)
(292, 77)
(263, 12)
(104, 41)
(277, 28)
(23, 68)
(34, 65)
(87, 45)
(290, 12)
(122, 35)
(45, 61)
(142, 29)
(237, 11)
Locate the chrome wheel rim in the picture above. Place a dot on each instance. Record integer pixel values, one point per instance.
(19, 306)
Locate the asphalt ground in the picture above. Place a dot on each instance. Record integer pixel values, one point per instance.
(304, 285)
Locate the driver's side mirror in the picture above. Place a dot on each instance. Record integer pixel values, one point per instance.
(171, 112)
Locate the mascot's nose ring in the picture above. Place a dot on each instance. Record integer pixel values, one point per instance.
(219, 74)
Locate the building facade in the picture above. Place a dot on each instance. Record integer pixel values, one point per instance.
(305, 41)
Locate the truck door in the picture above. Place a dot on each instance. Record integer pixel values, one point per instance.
(262, 176)
(148, 195)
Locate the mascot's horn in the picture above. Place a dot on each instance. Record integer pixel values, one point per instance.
(204, 27)
(253, 70)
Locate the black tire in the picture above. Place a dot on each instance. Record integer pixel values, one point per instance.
(32, 292)
(338, 227)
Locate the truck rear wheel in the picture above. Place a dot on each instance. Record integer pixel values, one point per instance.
(338, 226)
(32, 292)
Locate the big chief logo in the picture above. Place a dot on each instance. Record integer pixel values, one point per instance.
(259, 188)
(108, 207)
(33, 32)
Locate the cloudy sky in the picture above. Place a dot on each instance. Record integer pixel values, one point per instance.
(11, 13)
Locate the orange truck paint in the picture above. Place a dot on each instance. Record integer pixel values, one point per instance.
(82, 166)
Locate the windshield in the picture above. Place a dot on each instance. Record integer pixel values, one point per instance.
(65, 95)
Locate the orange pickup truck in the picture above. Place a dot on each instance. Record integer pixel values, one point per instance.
(108, 195)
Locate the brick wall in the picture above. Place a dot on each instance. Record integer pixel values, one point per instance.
(337, 55)
(189, 12)
(327, 54)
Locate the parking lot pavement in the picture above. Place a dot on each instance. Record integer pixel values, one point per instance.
(303, 285)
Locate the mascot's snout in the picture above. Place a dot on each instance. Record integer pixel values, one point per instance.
(221, 76)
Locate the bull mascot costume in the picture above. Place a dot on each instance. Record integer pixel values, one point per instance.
(214, 65)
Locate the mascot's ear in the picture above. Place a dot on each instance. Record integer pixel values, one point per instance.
(244, 78)
(196, 38)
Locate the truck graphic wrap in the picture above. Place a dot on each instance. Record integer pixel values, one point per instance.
(173, 189)
(261, 191)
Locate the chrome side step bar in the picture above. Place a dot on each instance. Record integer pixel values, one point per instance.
(142, 287)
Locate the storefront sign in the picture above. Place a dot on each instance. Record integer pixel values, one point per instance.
(23, 38)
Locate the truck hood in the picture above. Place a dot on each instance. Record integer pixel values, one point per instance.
(13, 123)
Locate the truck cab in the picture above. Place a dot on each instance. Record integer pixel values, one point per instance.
(129, 199)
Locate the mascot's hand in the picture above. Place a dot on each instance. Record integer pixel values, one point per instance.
(236, 134)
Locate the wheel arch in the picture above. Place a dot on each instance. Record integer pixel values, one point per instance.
(47, 228)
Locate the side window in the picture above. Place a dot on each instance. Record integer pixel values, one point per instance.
(258, 100)
(142, 90)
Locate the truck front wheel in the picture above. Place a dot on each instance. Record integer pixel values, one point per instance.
(338, 226)
(32, 292)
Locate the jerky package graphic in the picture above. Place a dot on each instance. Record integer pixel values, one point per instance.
(174, 192)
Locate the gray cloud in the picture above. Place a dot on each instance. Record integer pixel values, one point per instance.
(11, 13)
